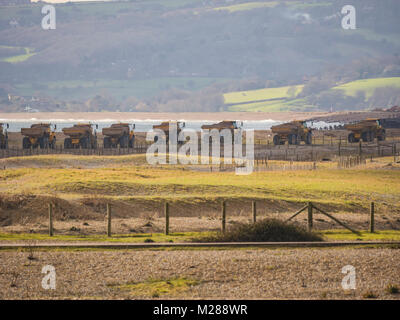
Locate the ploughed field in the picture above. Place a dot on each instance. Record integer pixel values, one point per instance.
(201, 274)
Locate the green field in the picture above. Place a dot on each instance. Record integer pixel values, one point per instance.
(29, 52)
(284, 98)
(261, 94)
(368, 85)
(119, 89)
(248, 6)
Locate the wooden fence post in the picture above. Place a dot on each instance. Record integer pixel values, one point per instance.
(310, 216)
(108, 220)
(51, 231)
(166, 211)
(254, 209)
(223, 213)
(372, 218)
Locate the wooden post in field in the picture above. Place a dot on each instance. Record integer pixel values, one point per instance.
(223, 214)
(166, 211)
(108, 220)
(360, 148)
(254, 210)
(310, 216)
(51, 220)
(372, 218)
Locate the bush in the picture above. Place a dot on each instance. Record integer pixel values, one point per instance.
(268, 230)
(392, 289)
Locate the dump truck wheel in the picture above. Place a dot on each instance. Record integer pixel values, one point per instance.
(124, 141)
(25, 143)
(277, 140)
(291, 139)
(309, 138)
(351, 138)
(365, 136)
(107, 143)
(43, 143)
(53, 143)
(67, 143)
(382, 136)
(84, 143)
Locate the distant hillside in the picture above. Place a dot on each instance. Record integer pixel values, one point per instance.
(192, 55)
(287, 98)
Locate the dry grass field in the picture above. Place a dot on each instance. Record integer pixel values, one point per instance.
(201, 274)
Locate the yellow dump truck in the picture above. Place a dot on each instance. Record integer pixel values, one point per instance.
(39, 135)
(293, 132)
(164, 126)
(119, 134)
(4, 135)
(367, 130)
(80, 136)
(230, 125)
(226, 124)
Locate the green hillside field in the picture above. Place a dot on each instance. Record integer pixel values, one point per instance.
(285, 98)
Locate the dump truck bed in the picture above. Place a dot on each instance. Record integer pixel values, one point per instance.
(115, 131)
(284, 128)
(360, 125)
(165, 125)
(34, 132)
(78, 130)
(220, 125)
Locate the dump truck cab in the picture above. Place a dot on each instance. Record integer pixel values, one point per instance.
(4, 135)
(367, 130)
(119, 134)
(293, 132)
(164, 126)
(81, 135)
(39, 135)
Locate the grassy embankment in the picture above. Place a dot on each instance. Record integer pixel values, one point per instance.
(129, 178)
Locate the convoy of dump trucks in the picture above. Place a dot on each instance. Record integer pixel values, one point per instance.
(121, 135)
